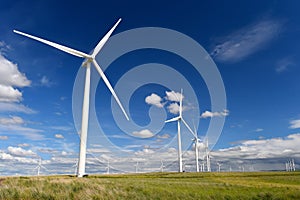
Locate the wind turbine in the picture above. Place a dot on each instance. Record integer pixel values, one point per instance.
(162, 166)
(107, 168)
(219, 166)
(207, 156)
(196, 140)
(39, 167)
(75, 167)
(89, 58)
(179, 119)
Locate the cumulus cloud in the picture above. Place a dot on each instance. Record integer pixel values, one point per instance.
(11, 121)
(11, 77)
(59, 136)
(9, 94)
(246, 41)
(143, 133)
(173, 96)
(173, 108)
(18, 151)
(155, 100)
(263, 148)
(210, 114)
(295, 124)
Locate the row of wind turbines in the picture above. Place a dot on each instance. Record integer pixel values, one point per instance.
(90, 59)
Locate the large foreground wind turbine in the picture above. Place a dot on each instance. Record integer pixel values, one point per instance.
(86, 99)
(179, 119)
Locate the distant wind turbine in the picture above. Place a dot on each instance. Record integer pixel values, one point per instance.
(162, 166)
(179, 119)
(86, 99)
(38, 168)
(207, 156)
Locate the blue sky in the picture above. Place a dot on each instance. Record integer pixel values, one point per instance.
(254, 46)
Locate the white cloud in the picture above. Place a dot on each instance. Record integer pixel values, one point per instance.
(155, 100)
(263, 149)
(295, 124)
(44, 81)
(259, 130)
(173, 96)
(12, 120)
(18, 151)
(143, 133)
(29, 133)
(210, 114)
(10, 74)
(173, 108)
(59, 136)
(3, 137)
(246, 41)
(23, 145)
(9, 94)
(14, 107)
(164, 136)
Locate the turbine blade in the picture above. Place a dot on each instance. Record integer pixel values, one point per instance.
(180, 104)
(109, 87)
(104, 39)
(172, 120)
(188, 127)
(57, 46)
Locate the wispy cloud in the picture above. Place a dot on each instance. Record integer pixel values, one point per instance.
(45, 81)
(3, 137)
(258, 130)
(11, 120)
(59, 136)
(15, 108)
(209, 114)
(246, 41)
(284, 64)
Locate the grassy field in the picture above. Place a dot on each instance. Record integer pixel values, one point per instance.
(248, 185)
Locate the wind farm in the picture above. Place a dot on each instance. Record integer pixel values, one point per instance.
(149, 100)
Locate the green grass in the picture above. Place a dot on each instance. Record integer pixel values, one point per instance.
(250, 185)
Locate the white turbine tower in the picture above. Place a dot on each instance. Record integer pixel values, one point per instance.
(162, 166)
(219, 166)
(85, 107)
(180, 119)
(107, 168)
(207, 156)
(196, 140)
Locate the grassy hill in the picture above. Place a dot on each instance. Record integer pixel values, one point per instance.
(248, 185)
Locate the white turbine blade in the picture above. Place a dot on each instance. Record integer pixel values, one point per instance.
(188, 127)
(104, 39)
(58, 46)
(109, 87)
(44, 167)
(172, 120)
(180, 104)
